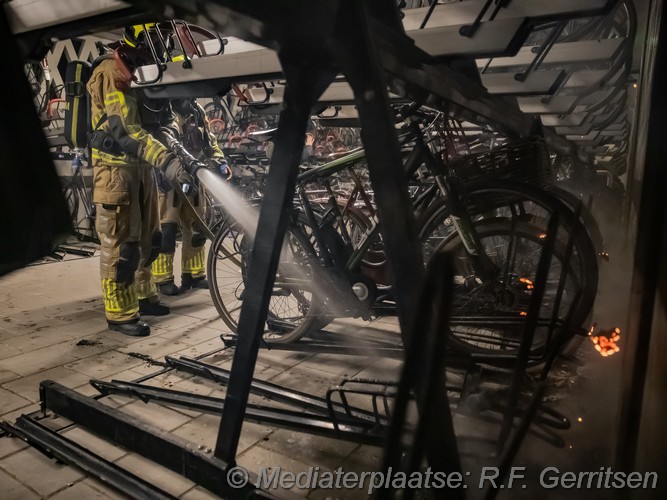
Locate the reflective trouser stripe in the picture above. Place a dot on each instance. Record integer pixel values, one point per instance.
(195, 264)
(163, 268)
(146, 289)
(120, 301)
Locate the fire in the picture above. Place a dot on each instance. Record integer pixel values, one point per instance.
(543, 236)
(606, 341)
(523, 313)
(527, 282)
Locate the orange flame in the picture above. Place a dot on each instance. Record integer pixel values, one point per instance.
(606, 341)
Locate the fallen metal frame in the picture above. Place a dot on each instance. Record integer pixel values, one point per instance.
(157, 445)
(56, 445)
(345, 427)
(271, 391)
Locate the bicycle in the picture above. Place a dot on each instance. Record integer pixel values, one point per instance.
(328, 256)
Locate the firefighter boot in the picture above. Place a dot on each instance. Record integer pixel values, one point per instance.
(133, 328)
(169, 288)
(148, 308)
(189, 282)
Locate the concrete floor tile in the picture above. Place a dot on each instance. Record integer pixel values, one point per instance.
(386, 369)
(43, 475)
(258, 456)
(197, 385)
(252, 434)
(90, 345)
(157, 415)
(155, 347)
(6, 334)
(202, 431)
(340, 365)
(95, 444)
(364, 459)
(39, 360)
(104, 365)
(10, 401)
(13, 490)
(194, 335)
(7, 352)
(315, 382)
(311, 449)
(36, 340)
(174, 321)
(6, 376)
(117, 337)
(200, 349)
(10, 445)
(25, 410)
(199, 493)
(28, 387)
(281, 360)
(99, 487)
(265, 371)
(156, 474)
(83, 491)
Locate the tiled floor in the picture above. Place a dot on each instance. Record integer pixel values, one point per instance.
(52, 326)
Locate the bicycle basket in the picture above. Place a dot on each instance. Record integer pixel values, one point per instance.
(525, 161)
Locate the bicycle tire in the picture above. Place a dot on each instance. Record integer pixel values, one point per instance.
(491, 199)
(228, 256)
(482, 331)
(587, 217)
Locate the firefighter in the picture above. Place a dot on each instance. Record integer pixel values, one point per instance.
(192, 127)
(124, 157)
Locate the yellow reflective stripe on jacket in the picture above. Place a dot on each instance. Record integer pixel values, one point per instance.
(122, 122)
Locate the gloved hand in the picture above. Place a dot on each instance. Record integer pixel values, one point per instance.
(222, 167)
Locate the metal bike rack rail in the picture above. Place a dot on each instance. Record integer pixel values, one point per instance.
(340, 427)
(56, 445)
(149, 441)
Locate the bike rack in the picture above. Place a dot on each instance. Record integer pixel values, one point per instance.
(361, 40)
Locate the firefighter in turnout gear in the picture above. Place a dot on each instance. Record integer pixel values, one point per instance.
(193, 130)
(126, 158)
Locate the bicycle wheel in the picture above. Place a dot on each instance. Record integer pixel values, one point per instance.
(589, 221)
(224, 273)
(293, 308)
(519, 203)
(487, 315)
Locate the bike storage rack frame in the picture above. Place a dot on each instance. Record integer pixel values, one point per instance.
(316, 40)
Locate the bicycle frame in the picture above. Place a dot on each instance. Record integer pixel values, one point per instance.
(418, 155)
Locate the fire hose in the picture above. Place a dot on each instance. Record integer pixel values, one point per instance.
(192, 165)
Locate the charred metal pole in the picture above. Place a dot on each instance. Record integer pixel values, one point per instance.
(305, 83)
